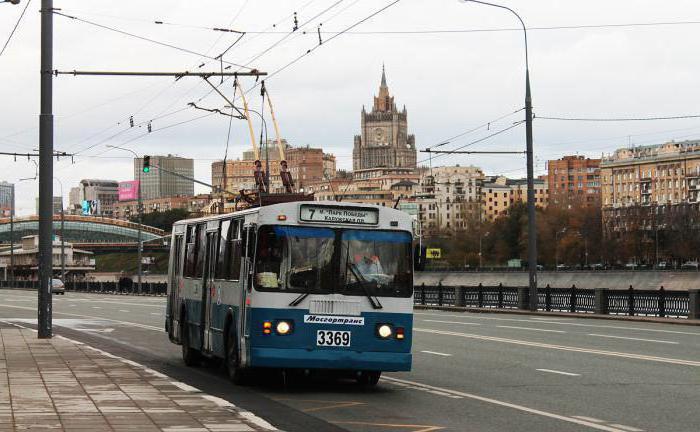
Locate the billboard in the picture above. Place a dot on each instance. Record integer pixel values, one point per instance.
(128, 190)
(91, 207)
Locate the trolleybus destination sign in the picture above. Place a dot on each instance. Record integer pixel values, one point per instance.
(364, 216)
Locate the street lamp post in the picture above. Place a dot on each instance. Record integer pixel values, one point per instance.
(531, 225)
(12, 236)
(140, 213)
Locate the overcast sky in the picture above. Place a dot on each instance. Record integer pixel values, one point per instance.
(450, 82)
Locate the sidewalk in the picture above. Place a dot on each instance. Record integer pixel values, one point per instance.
(63, 385)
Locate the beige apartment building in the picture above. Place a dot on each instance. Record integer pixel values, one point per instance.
(658, 177)
(448, 198)
(498, 194)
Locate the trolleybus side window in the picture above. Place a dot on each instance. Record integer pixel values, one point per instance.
(190, 250)
(228, 265)
(201, 252)
(194, 255)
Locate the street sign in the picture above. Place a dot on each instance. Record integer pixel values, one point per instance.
(434, 253)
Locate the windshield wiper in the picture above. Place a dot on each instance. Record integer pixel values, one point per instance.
(363, 283)
(299, 299)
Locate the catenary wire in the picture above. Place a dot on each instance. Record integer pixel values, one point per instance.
(9, 38)
(518, 123)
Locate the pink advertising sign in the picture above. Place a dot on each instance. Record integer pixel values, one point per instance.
(128, 190)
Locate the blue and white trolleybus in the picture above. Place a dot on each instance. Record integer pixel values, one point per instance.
(300, 285)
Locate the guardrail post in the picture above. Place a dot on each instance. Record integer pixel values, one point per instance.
(439, 289)
(662, 302)
(573, 298)
(601, 301)
(500, 295)
(523, 298)
(480, 296)
(422, 294)
(630, 301)
(548, 298)
(460, 301)
(694, 304)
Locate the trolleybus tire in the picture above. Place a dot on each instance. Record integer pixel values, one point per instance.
(235, 373)
(189, 355)
(369, 378)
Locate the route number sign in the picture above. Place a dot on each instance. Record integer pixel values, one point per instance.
(348, 215)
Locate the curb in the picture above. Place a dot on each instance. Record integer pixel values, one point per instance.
(655, 320)
(247, 415)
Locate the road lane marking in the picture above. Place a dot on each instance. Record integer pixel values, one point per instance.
(563, 347)
(155, 303)
(633, 338)
(590, 419)
(627, 428)
(421, 428)
(531, 328)
(452, 322)
(325, 404)
(156, 313)
(437, 353)
(470, 316)
(127, 323)
(558, 372)
(564, 418)
(96, 307)
(123, 310)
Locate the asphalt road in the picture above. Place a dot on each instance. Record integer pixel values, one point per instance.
(472, 372)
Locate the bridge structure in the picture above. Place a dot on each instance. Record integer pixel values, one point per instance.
(87, 232)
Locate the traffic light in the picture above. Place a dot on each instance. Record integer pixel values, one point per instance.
(146, 164)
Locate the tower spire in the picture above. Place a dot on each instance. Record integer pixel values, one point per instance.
(383, 76)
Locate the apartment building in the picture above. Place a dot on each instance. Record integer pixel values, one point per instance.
(574, 178)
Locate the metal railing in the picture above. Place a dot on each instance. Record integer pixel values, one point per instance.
(632, 302)
(148, 288)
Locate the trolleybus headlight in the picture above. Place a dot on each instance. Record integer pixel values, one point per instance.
(384, 331)
(400, 333)
(283, 327)
(267, 327)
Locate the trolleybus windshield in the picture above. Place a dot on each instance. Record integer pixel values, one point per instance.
(323, 260)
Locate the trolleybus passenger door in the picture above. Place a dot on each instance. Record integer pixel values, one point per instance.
(208, 288)
(248, 252)
(175, 285)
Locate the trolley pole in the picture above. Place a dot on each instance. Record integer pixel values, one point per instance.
(45, 172)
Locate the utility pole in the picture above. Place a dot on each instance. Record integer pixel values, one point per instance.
(45, 172)
(12, 235)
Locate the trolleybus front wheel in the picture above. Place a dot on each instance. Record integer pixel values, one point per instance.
(369, 378)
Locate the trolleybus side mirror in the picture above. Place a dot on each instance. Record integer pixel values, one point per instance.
(419, 257)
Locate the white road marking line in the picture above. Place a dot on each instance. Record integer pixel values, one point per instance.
(437, 353)
(563, 347)
(123, 310)
(126, 323)
(96, 307)
(471, 316)
(633, 338)
(452, 322)
(558, 372)
(156, 313)
(567, 419)
(590, 419)
(627, 428)
(531, 328)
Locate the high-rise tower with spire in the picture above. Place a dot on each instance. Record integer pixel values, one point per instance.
(384, 141)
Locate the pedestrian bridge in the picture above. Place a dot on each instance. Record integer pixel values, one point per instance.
(81, 230)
